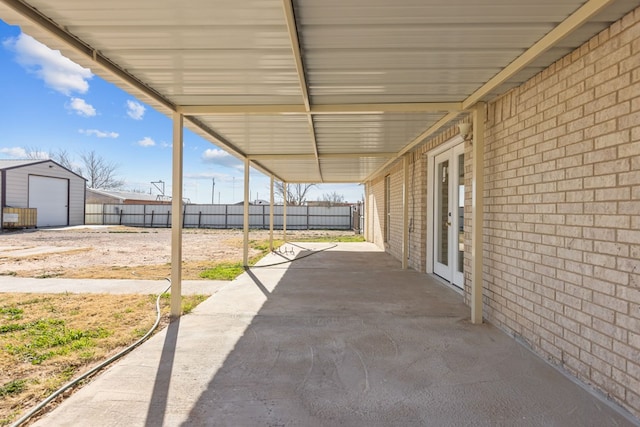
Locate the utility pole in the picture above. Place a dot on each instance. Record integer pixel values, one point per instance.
(159, 185)
(213, 189)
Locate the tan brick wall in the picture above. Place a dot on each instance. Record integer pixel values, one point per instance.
(562, 212)
(562, 202)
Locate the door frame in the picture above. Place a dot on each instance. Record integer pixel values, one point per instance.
(431, 157)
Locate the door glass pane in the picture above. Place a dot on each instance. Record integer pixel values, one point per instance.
(442, 224)
(460, 209)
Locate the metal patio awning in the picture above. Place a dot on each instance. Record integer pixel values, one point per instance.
(315, 91)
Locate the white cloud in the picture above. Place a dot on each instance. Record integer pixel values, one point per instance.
(14, 152)
(220, 157)
(22, 153)
(58, 72)
(98, 133)
(146, 142)
(81, 107)
(135, 110)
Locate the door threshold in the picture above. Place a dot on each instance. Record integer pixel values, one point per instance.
(447, 284)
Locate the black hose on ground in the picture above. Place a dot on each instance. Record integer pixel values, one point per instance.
(95, 369)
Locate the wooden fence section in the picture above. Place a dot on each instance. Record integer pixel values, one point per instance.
(222, 216)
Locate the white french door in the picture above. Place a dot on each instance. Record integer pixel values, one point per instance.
(448, 215)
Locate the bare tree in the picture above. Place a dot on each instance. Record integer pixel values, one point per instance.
(35, 153)
(63, 158)
(99, 172)
(296, 193)
(60, 156)
(332, 198)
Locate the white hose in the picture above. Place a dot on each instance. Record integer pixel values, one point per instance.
(113, 358)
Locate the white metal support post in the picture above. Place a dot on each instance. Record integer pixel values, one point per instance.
(284, 211)
(477, 207)
(405, 212)
(271, 202)
(176, 218)
(245, 247)
(367, 222)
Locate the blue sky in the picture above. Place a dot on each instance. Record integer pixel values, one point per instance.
(51, 104)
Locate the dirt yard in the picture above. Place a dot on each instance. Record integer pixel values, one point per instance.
(123, 252)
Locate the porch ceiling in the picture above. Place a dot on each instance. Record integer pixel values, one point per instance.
(315, 91)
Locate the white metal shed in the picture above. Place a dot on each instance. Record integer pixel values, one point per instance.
(57, 193)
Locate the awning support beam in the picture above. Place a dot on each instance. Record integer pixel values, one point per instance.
(245, 226)
(405, 212)
(477, 211)
(271, 207)
(176, 217)
(284, 212)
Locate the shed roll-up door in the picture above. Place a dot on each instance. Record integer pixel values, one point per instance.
(51, 197)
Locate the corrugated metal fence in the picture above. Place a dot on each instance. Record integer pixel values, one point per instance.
(221, 216)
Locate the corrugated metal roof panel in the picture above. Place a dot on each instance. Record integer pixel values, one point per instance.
(221, 53)
(370, 133)
(258, 134)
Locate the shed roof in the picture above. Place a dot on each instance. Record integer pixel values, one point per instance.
(316, 91)
(12, 163)
(6, 164)
(124, 195)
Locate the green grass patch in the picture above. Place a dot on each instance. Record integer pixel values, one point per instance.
(12, 313)
(229, 270)
(189, 304)
(12, 387)
(46, 338)
(223, 271)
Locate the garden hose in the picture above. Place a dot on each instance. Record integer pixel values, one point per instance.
(102, 365)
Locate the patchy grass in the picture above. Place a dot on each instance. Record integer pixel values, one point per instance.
(229, 270)
(46, 340)
(223, 271)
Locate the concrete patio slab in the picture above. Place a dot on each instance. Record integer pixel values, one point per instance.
(340, 337)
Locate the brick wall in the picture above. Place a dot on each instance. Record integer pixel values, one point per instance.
(562, 200)
(562, 212)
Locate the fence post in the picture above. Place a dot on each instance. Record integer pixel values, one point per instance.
(263, 223)
(168, 218)
(307, 217)
(199, 218)
(352, 218)
(144, 215)
(120, 220)
(152, 212)
(184, 214)
(226, 216)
